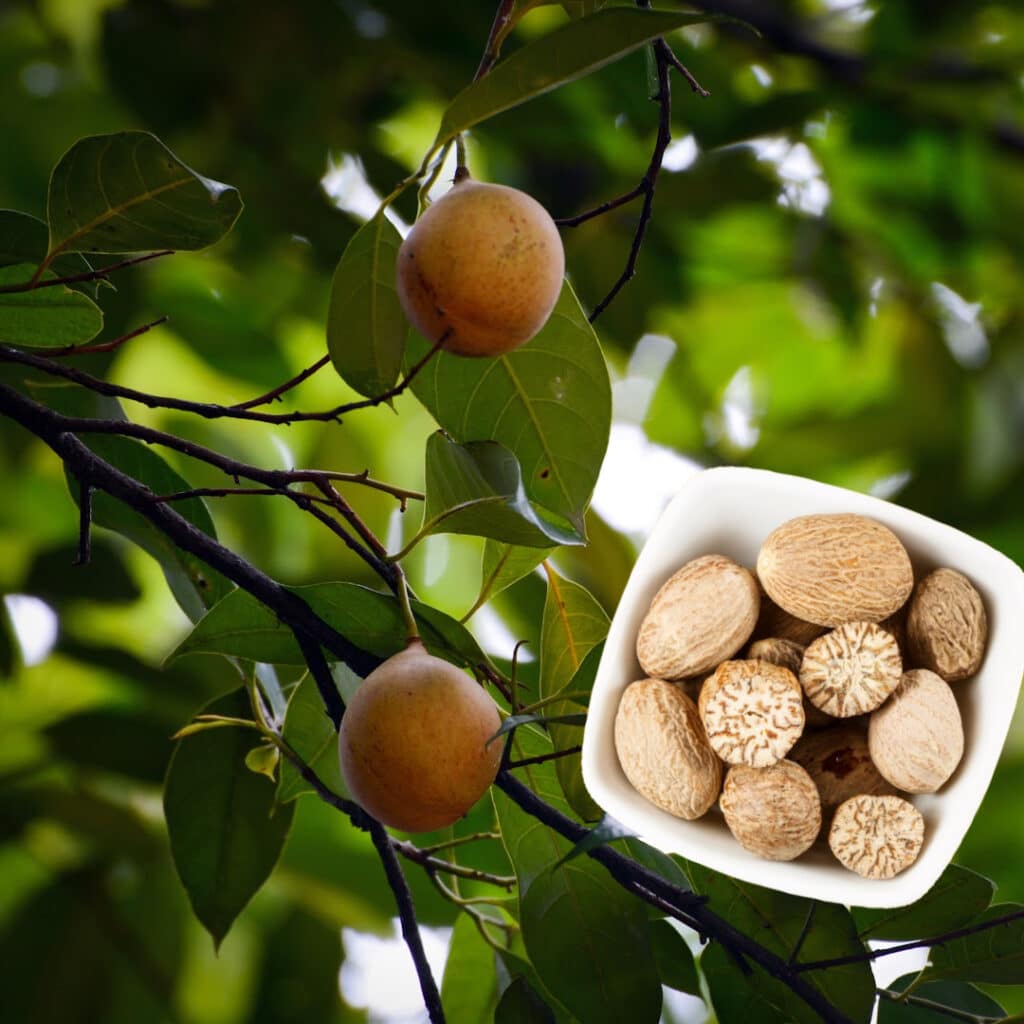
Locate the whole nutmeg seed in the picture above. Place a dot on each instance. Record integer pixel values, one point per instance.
(833, 569)
(851, 670)
(876, 836)
(773, 621)
(752, 712)
(838, 760)
(778, 651)
(702, 615)
(916, 738)
(663, 750)
(774, 812)
(947, 628)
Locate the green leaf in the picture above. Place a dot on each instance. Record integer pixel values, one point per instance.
(469, 986)
(520, 1004)
(674, 959)
(503, 565)
(309, 732)
(737, 996)
(241, 626)
(106, 580)
(607, 830)
(127, 192)
(25, 239)
(956, 995)
(957, 898)
(568, 53)
(194, 584)
(777, 920)
(366, 328)
(477, 489)
(43, 317)
(548, 402)
(263, 760)
(10, 650)
(225, 829)
(995, 955)
(540, 718)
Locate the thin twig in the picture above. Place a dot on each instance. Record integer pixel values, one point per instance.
(91, 275)
(84, 522)
(274, 394)
(458, 841)
(425, 860)
(499, 29)
(103, 346)
(541, 758)
(942, 1008)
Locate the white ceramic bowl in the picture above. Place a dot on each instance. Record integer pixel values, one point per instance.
(731, 511)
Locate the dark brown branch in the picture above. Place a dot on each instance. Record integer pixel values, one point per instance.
(84, 522)
(935, 940)
(321, 673)
(274, 395)
(541, 758)
(90, 275)
(499, 29)
(103, 346)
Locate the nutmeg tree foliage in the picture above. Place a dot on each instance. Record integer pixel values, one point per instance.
(820, 208)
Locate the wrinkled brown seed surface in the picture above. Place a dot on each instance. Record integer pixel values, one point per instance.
(752, 712)
(779, 651)
(877, 836)
(838, 760)
(773, 621)
(832, 569)
(851, 670)
(702, 615)
(774, 812)
(916, 739)
(663, 750)
(946, 625)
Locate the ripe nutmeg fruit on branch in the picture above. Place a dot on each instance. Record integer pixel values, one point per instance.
(482, 269)
(413, 742)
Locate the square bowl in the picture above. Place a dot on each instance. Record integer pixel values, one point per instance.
(730, 511)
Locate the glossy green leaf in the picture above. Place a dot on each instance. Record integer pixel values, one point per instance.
(503, 565)
(44, 317)
(568, 53)
(548, 402)
(675, 961)
(243, 627)
(194, 584)
(777, 919)
(736, 996)
(469, 986)
(520, 1004)
(956, 995)
(607, 830)
(127, 192)
(10, 651)
(25, 239)
(309, 732)
(225, 829)
(957, 898)
(366, 328)
(477, 489)
(995, 955)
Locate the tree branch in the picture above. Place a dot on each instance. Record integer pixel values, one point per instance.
(274, 394)
(103, 346)
(91, 275)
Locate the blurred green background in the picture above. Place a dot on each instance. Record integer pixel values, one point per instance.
(831, 286)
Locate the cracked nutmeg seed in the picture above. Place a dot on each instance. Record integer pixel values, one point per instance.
(663, 750)
(947, 628)
(851, 670)
(703, 614)
(876, 836)
(832, 569)
(752, 712)
(774, 812)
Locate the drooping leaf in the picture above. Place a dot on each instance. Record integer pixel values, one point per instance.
(574, 50)
(25, 239)
(53, 316)
(548, 402)
(957, 898)
(675, 961)
(225, 829)
(477, 489)
(309, 732)
(243, 627)
(778, 919)
(505, 564)
(194, 584)
(956, 995)
(995, 955)
(469, 986)
(366, 328)
(127, 192)
(520, 1004)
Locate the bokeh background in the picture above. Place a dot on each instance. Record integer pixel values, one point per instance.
(831, 286)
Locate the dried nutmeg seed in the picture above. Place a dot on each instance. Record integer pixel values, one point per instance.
(832, 569)
(877, 836)
(947, 628)
(851, 670)
(779, 651)
(663, 750)
(702, 615)
(774, 812)
(916, 738)
(752, 712)
(838, 760)
(773, 621)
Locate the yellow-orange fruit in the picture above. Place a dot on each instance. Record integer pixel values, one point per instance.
(413, 742)
(482, 268)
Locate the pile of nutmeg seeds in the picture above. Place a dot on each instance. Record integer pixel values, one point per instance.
(819, 687)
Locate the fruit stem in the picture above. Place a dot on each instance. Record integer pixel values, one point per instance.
(412, 632)
(461, 168)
